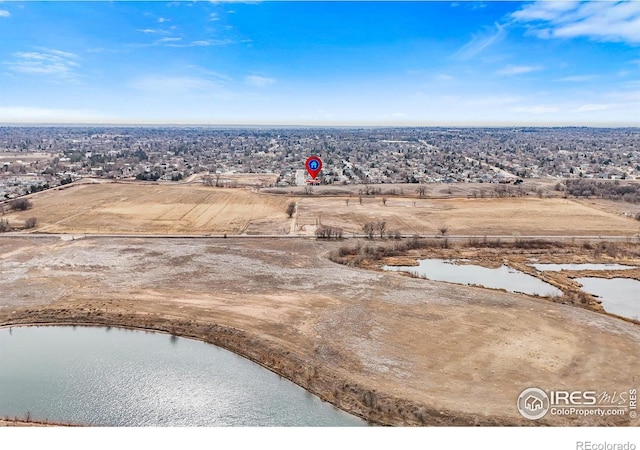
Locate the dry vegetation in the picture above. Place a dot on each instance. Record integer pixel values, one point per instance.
(516, 253)
(145, 208)
(390, 348)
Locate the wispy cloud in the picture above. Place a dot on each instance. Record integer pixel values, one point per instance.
(518, 70)
(45, 62)
(153, 31)
(536, 109)
(163, 20)
(198, 80)
(480, 42)
(617, 21)
(213, 17)
(444, 77)
(592, 107)
(577, 78)
(201, 43)
(4, 13)
(168, 39)
(258, 81)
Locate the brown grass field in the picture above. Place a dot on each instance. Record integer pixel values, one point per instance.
(143, 208)
(155, 209)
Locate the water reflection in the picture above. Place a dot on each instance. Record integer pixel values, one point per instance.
(121, 377)
(619, 296)
(501, 278)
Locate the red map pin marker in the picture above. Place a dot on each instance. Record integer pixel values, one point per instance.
(314, 166)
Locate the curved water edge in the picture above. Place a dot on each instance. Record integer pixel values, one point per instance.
(118, 377)
(619, 296)
(377, 407)
(503, 277)
(580, 266)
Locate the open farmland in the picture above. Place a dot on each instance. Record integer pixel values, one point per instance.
(141, 208)
(155, 209)
(462, 216)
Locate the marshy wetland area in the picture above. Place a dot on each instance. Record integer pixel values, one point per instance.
(392, 348)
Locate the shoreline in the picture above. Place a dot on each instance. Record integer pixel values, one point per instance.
(375, 407)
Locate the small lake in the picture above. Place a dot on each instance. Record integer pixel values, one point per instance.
(501, 278)
(619, 296)
(559, 267)
(119, 377)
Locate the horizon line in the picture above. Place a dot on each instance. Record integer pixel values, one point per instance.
(316, 125)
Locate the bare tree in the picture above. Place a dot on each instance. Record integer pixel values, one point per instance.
(443, 230)
(291, 208)
(384, 201)
(368, 229)
(327, 232)
(31, 222)
(381, 226)
(4, 226)
(207, 180)
(421, 191)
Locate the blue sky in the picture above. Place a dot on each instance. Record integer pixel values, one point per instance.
(321, 63)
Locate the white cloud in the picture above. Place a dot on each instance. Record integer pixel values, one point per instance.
(443, 77)
(203, 43)
(578, 78)
(538, 109)
(592, 107)
(517, 70)
(480, 42)
(163, 20)
(168, 39)
(152, 31)
(4, 13)
(45, 62)
(213, 17)
(258, 81)
(544, 10)
(617, 21)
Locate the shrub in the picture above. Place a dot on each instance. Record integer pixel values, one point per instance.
(21, 204)
(31, 222)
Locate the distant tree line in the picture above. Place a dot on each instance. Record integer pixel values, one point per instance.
(148, 176)
(604, 189)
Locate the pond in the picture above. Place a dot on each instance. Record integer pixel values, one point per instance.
(501, 278)
(559, 267)
(619, 296)
(119, 377)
